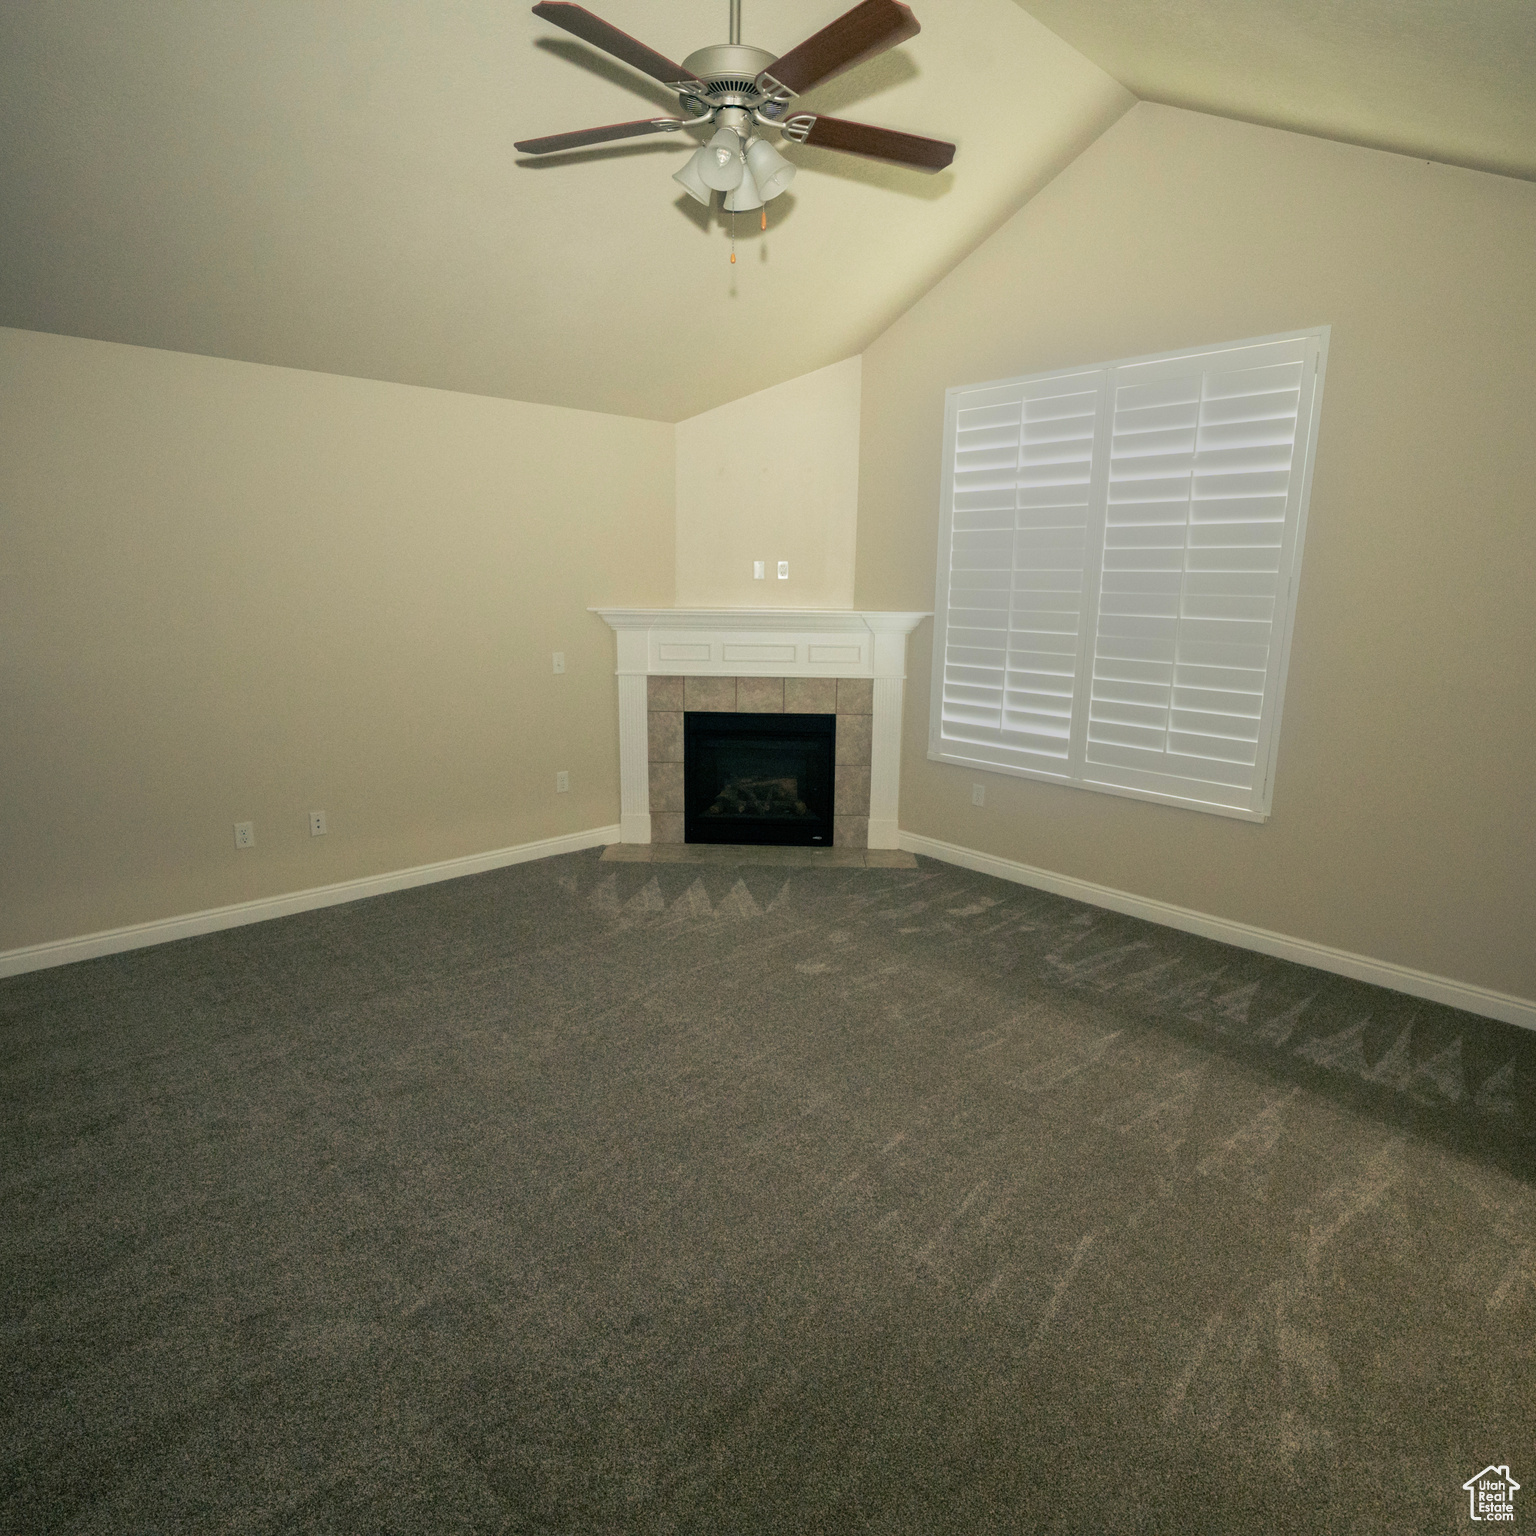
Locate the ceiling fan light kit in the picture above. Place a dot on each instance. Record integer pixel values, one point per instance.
(736, 89)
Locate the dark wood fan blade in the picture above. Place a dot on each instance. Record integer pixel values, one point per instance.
(547, 146)
(593, 29)
(857, 35)
(873, 143)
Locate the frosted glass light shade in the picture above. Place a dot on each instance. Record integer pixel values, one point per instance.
(720, 163)
(692, 182)
(743, 195)
(770, 170)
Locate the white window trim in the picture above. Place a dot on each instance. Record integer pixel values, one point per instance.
(1316, 340)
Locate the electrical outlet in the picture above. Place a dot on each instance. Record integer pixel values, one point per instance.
(245, 834)
(562, 782)
(978, 794)
(317, 823)
(559, 661)
(783, 570)
(759, 569)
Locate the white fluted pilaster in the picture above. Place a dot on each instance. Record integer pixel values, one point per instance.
(634, 760)
(885, 761)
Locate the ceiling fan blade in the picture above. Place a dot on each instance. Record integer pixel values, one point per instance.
(556, 141)
(873, 143)
(857, 35)
(593, 29)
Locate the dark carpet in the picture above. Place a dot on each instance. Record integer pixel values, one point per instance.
(583, 1197)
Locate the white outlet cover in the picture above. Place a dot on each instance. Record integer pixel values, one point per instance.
(562, 782)
(978, 794)
(783, 570)
(245, 834)
(317, 823)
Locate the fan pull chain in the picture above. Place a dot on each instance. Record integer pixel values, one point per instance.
(733, 237)
(765, 216)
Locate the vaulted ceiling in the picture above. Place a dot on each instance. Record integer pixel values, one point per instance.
(332, 184)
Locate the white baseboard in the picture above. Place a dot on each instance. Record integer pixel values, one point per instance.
(1382, 973)
(34, 957)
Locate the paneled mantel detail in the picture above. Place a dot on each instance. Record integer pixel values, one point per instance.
(760, 642)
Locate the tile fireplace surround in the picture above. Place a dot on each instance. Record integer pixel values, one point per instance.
(813, 661)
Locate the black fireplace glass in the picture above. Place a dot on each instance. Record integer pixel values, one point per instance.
(758, 778)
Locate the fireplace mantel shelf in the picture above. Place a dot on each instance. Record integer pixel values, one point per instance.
(760, 618)
(760, 642)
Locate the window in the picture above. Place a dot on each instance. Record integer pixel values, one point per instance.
(1118, 554)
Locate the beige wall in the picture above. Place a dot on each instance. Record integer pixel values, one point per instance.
(232, 592)
(773, 476)
(1403, 825)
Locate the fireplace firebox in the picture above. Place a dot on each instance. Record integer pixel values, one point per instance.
(758, 778)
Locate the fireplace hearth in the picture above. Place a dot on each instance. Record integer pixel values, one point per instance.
(758, 778)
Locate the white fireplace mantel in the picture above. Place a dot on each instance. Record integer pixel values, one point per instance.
(760, 642)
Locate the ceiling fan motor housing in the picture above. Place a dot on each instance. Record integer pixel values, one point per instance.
(728, 78)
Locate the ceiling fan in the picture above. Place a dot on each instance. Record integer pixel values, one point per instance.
(739, 89)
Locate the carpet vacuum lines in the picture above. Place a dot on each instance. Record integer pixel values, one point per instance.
(586, 1195)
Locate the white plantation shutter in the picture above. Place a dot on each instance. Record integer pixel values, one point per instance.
(1117, 561)
(1022, 466)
